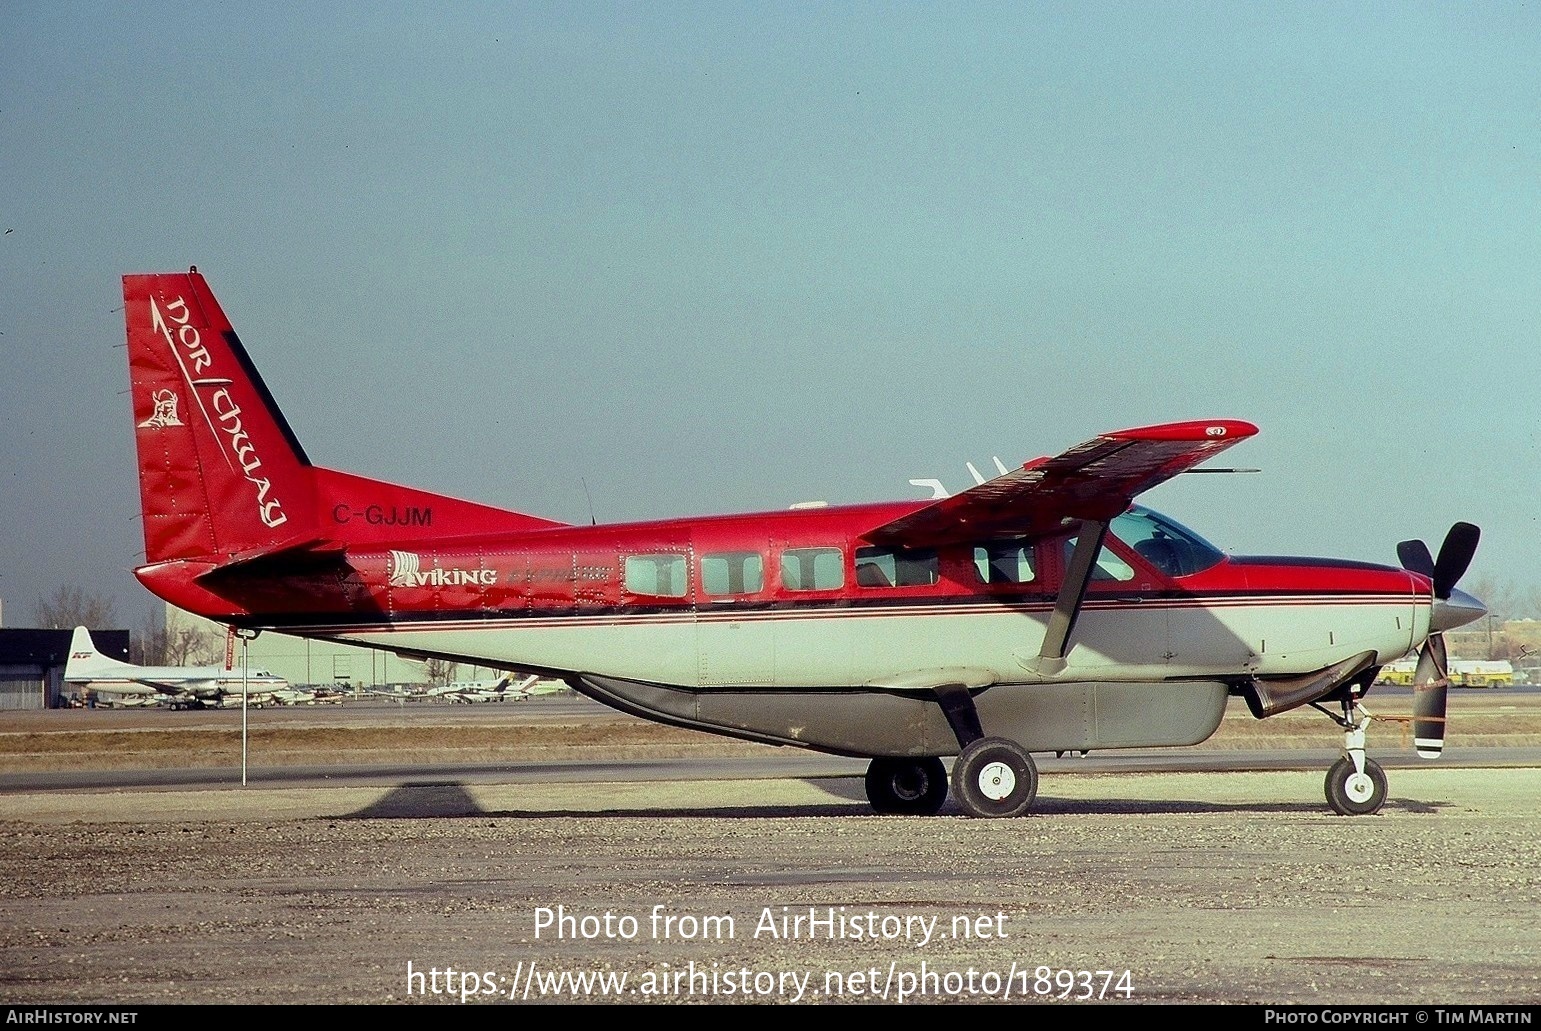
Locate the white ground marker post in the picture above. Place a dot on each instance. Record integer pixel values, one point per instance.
(245, 635)
(245, 691)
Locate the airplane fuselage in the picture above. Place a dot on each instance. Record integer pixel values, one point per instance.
(163, 680)
(652, 616)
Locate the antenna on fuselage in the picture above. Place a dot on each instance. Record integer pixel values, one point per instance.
(585, 482)
(934, 486)
(978, 477)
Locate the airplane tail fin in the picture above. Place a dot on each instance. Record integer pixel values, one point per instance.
(526, 687)
(220, 471)
(222, 477)
(85, 661)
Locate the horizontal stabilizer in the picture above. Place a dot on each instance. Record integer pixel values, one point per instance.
(298, 550)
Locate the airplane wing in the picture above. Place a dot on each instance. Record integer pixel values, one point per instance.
(176, 687)
(399, 695)
(1095, 480)
(196, 688)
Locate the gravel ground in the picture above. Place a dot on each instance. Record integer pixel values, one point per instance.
(1235, 888)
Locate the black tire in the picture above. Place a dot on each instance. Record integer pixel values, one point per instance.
(995, 777)
(1349, 794)
(907, 787)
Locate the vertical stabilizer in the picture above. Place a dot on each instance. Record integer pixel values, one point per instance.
(220, 471)
(85, 660)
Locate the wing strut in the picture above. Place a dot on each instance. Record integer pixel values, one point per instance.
(1056, 640)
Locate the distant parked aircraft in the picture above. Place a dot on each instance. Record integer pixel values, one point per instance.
(182, 687)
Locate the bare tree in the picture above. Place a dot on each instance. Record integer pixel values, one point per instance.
(71, 606)
(440, 671)
(1505, 602)
(186, 644)
(1532, 604)
(148, 646)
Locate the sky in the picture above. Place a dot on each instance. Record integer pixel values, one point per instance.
(624, 261)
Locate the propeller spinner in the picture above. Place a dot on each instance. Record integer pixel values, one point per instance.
(1452, 608)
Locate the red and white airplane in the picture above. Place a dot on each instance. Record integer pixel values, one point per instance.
(1038, 611)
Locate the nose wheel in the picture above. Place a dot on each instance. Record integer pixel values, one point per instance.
(1356, 785)
(1355, 792)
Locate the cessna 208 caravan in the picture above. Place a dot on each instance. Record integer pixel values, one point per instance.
(1039, 611)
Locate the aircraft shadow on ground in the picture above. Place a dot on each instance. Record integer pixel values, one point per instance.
(449, 799)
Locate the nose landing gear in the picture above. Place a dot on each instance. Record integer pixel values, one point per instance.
(1356, 785)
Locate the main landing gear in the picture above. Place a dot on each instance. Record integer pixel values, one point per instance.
(907, 787)
(995, 777)
(992, 776)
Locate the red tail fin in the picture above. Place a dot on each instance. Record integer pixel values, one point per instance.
(222, 477)
(220, 472)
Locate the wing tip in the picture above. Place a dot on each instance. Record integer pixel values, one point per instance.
(1196, 429)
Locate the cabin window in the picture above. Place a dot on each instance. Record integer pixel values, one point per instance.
(896, 567)
(659, 575)
(1109, 566)
(732, 572)
(1004, 562)
(812, 569)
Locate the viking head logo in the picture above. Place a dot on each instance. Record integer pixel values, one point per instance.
(165, 409)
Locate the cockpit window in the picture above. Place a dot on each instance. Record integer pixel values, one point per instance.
(1170, 547)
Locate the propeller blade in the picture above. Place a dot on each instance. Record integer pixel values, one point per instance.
(1431, 683)
(1454, 556)
(1415, 558)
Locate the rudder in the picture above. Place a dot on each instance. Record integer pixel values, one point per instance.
(220, 471)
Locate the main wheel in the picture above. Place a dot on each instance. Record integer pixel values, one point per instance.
(994, 777)
(907, 787)
(1351, 793)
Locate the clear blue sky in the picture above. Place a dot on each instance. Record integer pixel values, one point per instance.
(723, 257)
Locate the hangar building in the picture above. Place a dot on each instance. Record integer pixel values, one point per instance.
(32, 664)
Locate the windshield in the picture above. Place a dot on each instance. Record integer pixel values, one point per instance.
(1169, 546)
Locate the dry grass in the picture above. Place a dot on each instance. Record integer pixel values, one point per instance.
(346, 745)
(1475, 722)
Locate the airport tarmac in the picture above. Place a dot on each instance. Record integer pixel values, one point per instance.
(701, 878)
